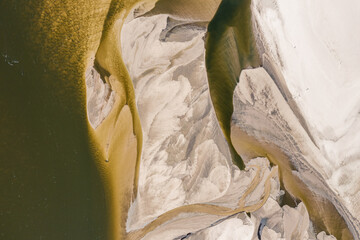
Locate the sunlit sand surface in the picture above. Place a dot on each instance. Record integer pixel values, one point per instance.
(178, 120)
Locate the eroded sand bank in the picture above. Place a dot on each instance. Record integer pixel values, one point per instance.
(316, 50)
(264, 124)
(167, 95)
(178, 118)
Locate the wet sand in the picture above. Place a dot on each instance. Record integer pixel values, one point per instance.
(264, 125)
(201, 10)
(322, 212)
(67, 180)
(119, 136)
(59, 147)
(211, 209)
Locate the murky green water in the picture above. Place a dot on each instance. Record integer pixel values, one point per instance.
(229, 49)
(49, 186)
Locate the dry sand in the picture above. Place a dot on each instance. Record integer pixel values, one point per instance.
(264, 125)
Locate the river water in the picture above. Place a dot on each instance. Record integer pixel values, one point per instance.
(51, 187)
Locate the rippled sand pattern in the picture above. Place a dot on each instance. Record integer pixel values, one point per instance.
(70, 181)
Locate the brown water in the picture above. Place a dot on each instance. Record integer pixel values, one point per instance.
(55, 183)
(229, 49)
(50, 187)
(61, 179)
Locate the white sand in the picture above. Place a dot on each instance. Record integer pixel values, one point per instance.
(100, 97)
(179, 125)
(316, 46)
(185, 157)
(261, 112)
